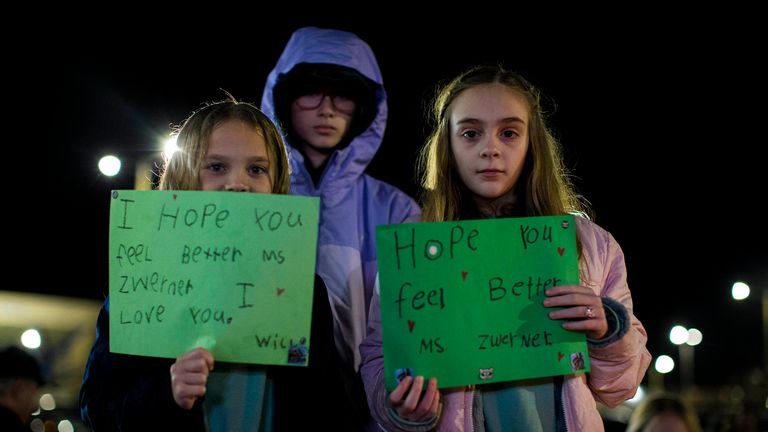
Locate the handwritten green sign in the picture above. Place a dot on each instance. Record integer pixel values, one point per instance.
(462, 301)
(230, 272)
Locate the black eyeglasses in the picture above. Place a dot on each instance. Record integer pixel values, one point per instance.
(341, 104)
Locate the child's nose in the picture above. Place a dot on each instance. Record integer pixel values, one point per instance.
(490, 149)
(236, 183)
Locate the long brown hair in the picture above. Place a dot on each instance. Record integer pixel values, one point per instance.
(182, 170)
(544, 187)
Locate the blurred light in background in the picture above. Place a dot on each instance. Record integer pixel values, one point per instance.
(37, 425)
(694, 337)
(109, 165)
(639, 396)
(66, 426)
(170, 147)
(664, 364)
(47, 402)
(678, 335)
(740, 291)
(31, 339)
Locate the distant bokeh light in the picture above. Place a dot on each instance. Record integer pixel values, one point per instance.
(694, 337)
(47, 402)
(109, 165)
(678, 335)
(170, 147)
(66, 426)
(37, 425)
(740, 291)
(638, 397)
(31, 339)
(664, 364)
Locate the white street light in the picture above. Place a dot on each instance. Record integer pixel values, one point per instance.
(740, 291)
(681, 337)
(31, 339)
(664, 364)
(109, 165)
(694, 337)
(678, 335)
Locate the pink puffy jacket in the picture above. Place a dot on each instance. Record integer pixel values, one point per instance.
(616, 369)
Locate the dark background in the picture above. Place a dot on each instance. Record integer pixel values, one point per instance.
(662, 118)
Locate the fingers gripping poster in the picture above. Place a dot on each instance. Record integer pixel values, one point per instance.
(230, 272)
(462, 301)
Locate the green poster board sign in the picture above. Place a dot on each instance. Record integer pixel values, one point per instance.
(230, 272)
(462, 301)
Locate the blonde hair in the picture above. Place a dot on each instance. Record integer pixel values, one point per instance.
(547, 187)
(182, 170)
(663, 403)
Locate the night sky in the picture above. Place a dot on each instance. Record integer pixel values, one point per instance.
(662, 124)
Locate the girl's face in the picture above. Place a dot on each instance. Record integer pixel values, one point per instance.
(237, 160)
(321, 120)
(489, 139)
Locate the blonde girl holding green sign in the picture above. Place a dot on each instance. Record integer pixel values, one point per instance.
(224, 146)
(491, 155)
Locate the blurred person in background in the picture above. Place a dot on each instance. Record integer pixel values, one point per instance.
(20, 381)
(664, 412)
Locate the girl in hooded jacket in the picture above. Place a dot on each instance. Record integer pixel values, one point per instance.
(327, 94)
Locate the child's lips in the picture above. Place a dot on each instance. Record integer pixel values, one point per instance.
(490, 172)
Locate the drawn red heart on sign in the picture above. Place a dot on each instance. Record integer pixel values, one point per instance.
(560, 356)
(280, 291)
(463, 275)
(560, 250)
(410, 325)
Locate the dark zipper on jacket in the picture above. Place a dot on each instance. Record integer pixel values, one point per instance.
(560, 407)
